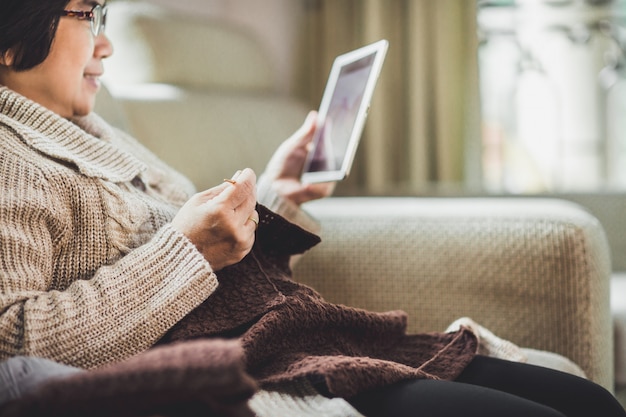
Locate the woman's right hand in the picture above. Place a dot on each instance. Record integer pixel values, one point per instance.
(221, 221)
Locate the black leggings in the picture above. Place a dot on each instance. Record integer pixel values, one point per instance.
(491, 387)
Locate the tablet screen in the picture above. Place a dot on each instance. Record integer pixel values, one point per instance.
(342, 113)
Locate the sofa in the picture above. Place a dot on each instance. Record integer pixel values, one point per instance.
(533, 271)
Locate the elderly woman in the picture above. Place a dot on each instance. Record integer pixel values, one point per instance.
(104, 248)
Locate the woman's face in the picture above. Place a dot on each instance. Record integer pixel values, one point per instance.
(68, 80)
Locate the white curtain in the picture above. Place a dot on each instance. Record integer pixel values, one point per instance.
(423, 129)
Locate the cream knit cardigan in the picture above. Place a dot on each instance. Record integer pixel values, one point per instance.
(90, 270)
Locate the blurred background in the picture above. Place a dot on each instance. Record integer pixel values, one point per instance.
(506, 96)
(423, 130)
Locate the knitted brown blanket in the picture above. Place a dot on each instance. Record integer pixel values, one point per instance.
(289, 331)
(262, 327)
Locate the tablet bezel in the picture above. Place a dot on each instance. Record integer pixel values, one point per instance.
(378, 50)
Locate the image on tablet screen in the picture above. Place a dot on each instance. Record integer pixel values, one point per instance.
(333, 138)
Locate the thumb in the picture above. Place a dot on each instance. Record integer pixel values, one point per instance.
(305, 133)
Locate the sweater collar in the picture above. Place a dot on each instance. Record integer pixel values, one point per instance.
(87, 142)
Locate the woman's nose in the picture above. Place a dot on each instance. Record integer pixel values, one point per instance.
(103, 47)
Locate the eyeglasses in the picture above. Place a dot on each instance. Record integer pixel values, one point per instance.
(97, 16)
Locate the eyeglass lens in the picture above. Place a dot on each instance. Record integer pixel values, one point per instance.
(98, 22)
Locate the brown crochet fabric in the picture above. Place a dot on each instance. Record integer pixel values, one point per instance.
(289, 331)
(197, 378)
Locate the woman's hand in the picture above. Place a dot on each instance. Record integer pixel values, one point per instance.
(285, 166)
(222, 220)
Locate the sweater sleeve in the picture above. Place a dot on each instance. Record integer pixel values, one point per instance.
(111, 313)
(290, 211)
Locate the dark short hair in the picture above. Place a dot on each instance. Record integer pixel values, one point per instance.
(27, 29)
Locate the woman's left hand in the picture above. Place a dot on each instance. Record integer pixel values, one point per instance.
(285, 167)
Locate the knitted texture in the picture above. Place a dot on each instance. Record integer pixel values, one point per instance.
(90, 271)
(201, 378)
(289, 332)
(299, 399)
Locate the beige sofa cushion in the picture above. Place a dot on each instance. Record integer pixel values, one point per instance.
(535, 272)
(216, 56)
(157, 45)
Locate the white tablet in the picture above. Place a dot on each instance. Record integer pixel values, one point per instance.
(342, 113)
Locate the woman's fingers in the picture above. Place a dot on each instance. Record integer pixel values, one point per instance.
(240, 191)
(253, 220)
(221, 221)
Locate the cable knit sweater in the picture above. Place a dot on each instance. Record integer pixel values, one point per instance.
(90, 270)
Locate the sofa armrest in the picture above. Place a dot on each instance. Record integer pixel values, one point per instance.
(533, 271)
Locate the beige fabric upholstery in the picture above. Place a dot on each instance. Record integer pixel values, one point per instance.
(154, 44)
(535, 272)
(218, 55)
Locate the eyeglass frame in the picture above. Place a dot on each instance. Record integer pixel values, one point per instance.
(96, 27)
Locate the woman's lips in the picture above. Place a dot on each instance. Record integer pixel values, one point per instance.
(93, 80)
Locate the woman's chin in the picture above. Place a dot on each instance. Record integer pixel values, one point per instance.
(84, 108)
